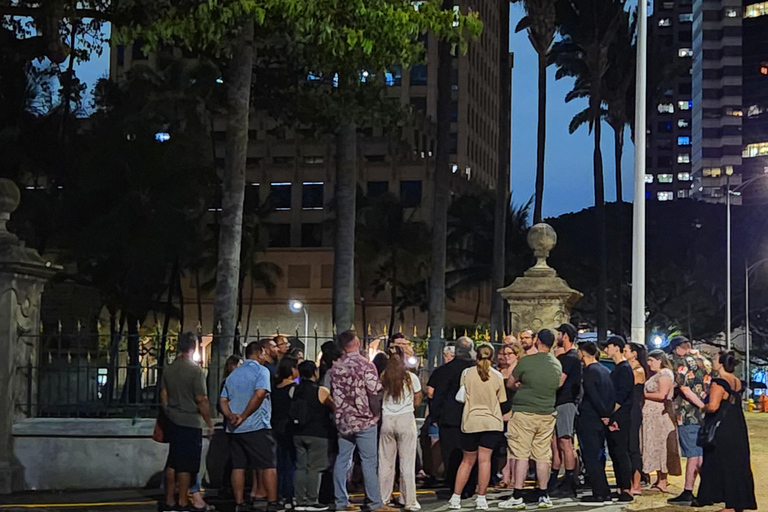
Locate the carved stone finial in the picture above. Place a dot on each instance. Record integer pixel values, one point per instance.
(10, 196)
(542, 238)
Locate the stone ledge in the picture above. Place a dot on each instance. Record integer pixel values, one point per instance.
(84, 427)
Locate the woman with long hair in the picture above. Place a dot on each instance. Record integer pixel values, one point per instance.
(482, 424)
(726, 474)
(507, 358)
(659, 429)
(637, 356)
(282, 426)
(399, 434)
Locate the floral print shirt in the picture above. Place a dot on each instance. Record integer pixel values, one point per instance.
(352, 380)
(691, 372)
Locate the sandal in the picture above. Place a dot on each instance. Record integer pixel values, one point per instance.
(501, 486)
(655, 487)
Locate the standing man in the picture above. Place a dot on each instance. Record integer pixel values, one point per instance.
(620, 422)
(596, 405)
(356, 389)
(185, 403)
(283, 346)
(447, 412)
(528, 341)
(566, 405)
(245, 401)
(691, 387)
(530, 429)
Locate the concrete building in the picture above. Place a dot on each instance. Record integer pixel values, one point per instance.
(298, 173)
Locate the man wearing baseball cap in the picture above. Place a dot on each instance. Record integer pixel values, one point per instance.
(691, 388)
(566, 405)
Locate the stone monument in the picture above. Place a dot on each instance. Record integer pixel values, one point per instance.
(539, 298)
(23, 274)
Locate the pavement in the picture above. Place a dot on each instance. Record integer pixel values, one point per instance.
(145, 500)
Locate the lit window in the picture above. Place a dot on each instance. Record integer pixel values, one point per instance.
(685, 52)
(684, 176)
(684, 105)
(665, 22)
(734, 112)
(162, 136)
(312, 195)
(314, 160)
(665, 178)
(665, 196)
(682, 123)
(684, 141)
(686, 18)
(684, 158)
(683, 193)
(711, 172)
(729, 170)
(666, 108)
(755, 10)
(669, 5)
(649, 178)
(756, 149)
(281, 196)
(731, 13)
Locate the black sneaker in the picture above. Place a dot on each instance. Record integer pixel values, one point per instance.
(596, 501)
(625, 497)
(243, 507)
(685, 499)
(275, 506)
(566, 490)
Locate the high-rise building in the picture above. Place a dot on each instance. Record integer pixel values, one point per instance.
(668, 158)
(297, 172)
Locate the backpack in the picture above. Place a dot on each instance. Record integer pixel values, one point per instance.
(298, 411)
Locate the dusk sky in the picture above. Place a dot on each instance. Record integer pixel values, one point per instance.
(568, 177)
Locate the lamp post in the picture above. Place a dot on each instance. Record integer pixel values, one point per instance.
(296, 306)
(638, 210)
(748, 336)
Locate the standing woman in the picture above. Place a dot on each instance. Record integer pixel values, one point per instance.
(282, 426)
(659, 434)
(509, 355)
(399, 434)
(726, 474)
(482, 424)
(637, 356)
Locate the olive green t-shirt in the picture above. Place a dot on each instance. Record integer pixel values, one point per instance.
(539, 377)
(184, 380)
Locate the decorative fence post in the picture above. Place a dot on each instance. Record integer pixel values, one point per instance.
(23, 274)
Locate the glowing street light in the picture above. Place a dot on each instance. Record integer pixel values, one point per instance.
(298, 306)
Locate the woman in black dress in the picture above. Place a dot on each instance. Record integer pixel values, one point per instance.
(637, 356)
(726, 474)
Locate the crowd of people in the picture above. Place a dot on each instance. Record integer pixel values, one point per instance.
(542, 407)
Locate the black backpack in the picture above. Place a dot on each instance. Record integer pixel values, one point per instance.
(298, 411)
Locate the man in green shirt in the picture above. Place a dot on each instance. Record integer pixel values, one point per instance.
(529, 434)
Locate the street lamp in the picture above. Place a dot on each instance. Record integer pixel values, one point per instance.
(297, 306)
(748, 272)
(735, 192)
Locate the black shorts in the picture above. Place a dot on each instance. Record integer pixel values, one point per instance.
(185, 446)
(489, 439)
(253, 450)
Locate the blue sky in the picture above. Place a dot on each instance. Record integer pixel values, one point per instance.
(568, 181)
(568, 162)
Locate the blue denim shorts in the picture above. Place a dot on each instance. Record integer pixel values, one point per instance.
(434, 432)
(687, 435)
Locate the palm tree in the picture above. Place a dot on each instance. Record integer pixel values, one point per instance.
(588, 29)
(541, 22)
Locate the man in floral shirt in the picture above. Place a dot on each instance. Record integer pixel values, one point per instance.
(355, 389)
(691, 388)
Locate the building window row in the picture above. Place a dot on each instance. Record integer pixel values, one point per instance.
(755, 149)
(665, 196)
(756, 10)
(716, 172)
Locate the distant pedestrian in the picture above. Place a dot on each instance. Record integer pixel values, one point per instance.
(355, 388)
(566, 404)
(482, 425)
(532, 425)
(399, 434)
(185, 403)
(637, 357)
(311, 410)
(620, 422)
(726, 474)
(246, 402)
(287, 373)
(597, 405)
(659, 440)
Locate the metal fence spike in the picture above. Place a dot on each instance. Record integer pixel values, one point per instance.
(218, 327)
(315, 328)
(79, 325)
(88, 357)
(50, 357)
(59, 326)
(429, 333)
(370, 331)
(415, 332)
(69, 357)
(199, 326)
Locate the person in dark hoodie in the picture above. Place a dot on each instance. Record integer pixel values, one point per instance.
(596, 405)
(447, 412)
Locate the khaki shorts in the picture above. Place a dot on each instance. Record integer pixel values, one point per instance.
(529, 436)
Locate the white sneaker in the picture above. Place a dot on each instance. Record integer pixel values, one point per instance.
(512, 504)
(413, 508)
(545, 502)
(455, 502)
(481, 503)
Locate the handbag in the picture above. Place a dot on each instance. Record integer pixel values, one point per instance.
(461, 394)
(160, 433)
(708, 432)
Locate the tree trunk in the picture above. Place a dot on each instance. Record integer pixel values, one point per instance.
(618, 150)
(238, 80)
(393, 293)
(172, 277)
(502, 180)
(132, 387)
(199, 299)
(250, 310)
(441, 198)
(344, 253)
(477, 305)
(602, 248)
(541, 138)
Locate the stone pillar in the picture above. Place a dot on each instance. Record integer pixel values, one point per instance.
(23, 274)
(540, 299)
